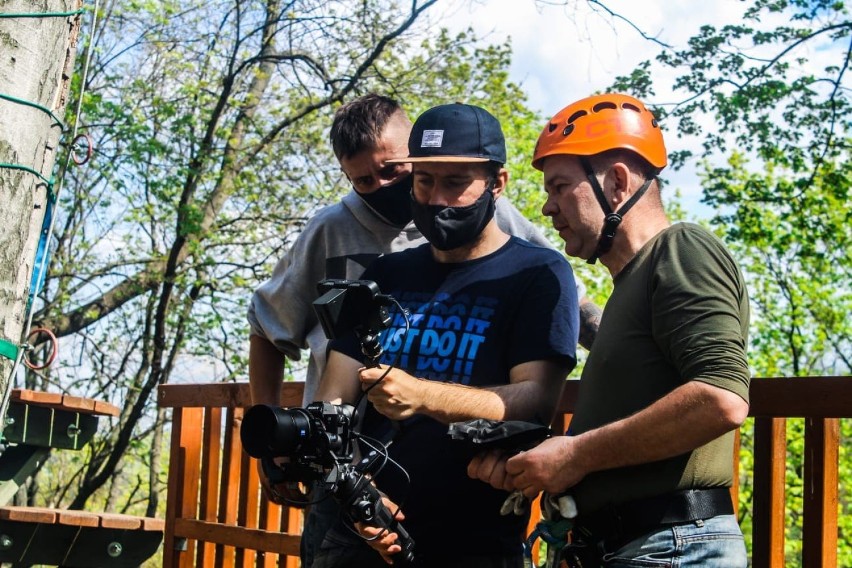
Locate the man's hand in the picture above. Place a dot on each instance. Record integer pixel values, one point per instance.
(552, 466)
(490, 467)
(386, 544)
(289, 493)
(397, 396)
(266, 485)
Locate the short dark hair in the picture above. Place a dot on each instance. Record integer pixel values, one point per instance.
(358, 124)
(492, 170)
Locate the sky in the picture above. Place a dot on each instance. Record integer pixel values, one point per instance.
(564, 53)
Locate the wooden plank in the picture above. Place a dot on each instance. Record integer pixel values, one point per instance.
(73, 517)
(254, 539)
(153, 524)
(210, 471)
(818, 397)
(249, 505)
(124, 522)
(106, 408)
(819, 531)
(78, 403)
(295, 525)
(823, 397)
(37, 397)
(229, 489)
(226, 395)
(768, 518)
(266, 516)
(28, 514)
(64, 401)
(183, 485)
(77, 518)
(735, 485)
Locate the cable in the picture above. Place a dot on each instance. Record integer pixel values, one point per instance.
(392, 364)
(44, 109)
(44, 14)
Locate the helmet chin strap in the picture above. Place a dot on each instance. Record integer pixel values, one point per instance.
(611, 219)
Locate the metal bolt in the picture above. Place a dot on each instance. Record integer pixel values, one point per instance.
(73, 430)
(9, 421)
(114, 549)
(6, 542)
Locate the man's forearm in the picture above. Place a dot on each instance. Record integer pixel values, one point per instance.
(688, 417)
(530, 399)
(448, 403)
(266, 371)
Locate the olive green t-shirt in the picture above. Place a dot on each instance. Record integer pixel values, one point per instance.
(678, 313)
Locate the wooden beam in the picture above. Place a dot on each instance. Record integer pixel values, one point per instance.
(768, 519)
(801, 397)
(819, 533)
(254, 539)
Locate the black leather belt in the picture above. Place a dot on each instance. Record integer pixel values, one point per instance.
(616, 525)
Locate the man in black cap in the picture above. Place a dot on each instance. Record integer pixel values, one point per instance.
(493, 333)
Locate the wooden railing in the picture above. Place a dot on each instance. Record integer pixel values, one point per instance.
(216, 515)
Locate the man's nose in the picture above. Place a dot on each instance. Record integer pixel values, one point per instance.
(549, 208)
(437, 199)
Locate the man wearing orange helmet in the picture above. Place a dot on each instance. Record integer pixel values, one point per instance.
(647, 456)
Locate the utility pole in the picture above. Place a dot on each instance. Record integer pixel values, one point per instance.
(38, 43)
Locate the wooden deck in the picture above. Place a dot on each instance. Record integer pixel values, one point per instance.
(216, 515)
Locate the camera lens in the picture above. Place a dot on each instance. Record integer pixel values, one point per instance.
(268, 431)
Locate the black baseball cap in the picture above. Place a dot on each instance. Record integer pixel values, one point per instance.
(455, 132)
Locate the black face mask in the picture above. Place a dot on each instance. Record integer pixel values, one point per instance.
(448, 228)
(392, 201)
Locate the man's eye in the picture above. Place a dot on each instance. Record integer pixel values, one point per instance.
(389, 171)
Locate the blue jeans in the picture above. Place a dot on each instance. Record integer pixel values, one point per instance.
(712, 543)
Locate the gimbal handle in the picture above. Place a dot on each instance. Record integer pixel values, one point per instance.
(362, 502)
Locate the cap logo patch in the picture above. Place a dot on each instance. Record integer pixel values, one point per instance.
(432, 139)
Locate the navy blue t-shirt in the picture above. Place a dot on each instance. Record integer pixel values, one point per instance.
(470, 323)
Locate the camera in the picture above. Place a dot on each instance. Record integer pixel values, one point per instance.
(317, 442)
(315, 438)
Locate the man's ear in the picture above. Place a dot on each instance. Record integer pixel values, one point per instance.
(619, 177)
(500, 182)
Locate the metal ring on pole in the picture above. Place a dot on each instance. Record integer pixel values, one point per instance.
(51, 358)
(89, 148)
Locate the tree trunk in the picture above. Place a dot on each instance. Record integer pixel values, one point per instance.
(36, 63)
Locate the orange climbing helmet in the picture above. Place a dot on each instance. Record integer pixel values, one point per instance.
(600, 123)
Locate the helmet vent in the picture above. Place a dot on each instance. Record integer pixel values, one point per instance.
(604, 105)
(551, 127)
(576, 115)
(568, 130)
(631, 107)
